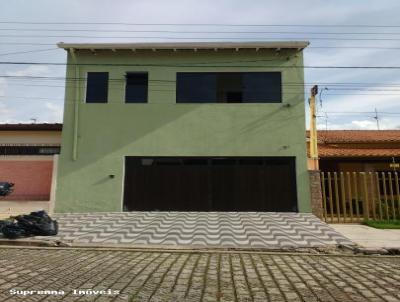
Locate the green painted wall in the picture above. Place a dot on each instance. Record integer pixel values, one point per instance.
(106, 133)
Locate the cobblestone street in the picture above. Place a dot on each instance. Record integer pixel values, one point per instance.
(195, 276)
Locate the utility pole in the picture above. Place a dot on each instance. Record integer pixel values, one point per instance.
(313, 130)
(377, 119)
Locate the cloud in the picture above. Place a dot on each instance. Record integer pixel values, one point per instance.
(385, 123)
(55, 111)
(7, 114)
(4, 110)
(365, 124)
(33, 70)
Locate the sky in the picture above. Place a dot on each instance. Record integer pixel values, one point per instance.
(365, 33)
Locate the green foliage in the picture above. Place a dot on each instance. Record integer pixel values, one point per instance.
(383, 224)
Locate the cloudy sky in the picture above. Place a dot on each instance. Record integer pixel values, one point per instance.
(349, 97)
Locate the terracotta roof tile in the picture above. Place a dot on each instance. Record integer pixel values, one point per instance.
(358, 143)
(329, 151)
(351, 136)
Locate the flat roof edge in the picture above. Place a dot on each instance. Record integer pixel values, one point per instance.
(188, 45)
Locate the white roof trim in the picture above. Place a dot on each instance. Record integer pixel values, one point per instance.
(191, 45)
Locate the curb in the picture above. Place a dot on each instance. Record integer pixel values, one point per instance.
(33, 243)
(26, 242)
(203, 251)
(323, 250)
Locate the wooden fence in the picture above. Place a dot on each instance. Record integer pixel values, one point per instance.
(357, 196)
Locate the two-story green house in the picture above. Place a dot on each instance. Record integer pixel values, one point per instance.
(184, 127)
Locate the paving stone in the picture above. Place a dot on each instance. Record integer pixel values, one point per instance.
(199, 276)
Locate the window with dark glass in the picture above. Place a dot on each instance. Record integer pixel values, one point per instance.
(97, 87)
(228, 87)
(136, 87)
(29, 150)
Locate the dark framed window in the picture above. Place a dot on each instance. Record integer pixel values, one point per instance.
(136, 87)
(97, 87)
(29, 150)
(229, 87)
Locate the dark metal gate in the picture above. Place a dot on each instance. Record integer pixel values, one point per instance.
(210, 184)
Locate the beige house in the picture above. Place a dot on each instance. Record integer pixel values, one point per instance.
(28, 154)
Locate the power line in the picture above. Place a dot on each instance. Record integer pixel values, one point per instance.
(337, 113)
(377, 94)
(196, 32)
(63, 86)
(288, 85)
(285, 92)
(29, 51)
(25, 44)
(351, 47)
(361, 112)
(30, 97)
(197, 38)
(368, 84)
(205, 24)
(341, 85)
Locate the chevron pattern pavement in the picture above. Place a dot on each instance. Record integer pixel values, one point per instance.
(264, 230)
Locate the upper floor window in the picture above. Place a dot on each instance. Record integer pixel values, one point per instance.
(136, 87)
(228, 87)
(97, 87)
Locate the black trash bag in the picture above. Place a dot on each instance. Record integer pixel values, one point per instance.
(34, 224)
(38, 223)
(50, 229)
(3, 223)
(13, 231)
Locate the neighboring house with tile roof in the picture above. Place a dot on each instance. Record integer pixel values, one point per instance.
(359, 150)
(27, 153)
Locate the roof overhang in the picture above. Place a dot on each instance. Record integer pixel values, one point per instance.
(298, 45)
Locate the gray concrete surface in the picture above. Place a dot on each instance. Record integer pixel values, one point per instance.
(369, 237)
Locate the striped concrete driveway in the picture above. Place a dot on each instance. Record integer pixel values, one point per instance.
(259, 230)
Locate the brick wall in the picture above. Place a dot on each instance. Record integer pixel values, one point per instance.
(32, 179)
(316, 193)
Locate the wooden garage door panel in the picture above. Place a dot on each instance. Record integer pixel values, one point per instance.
(253, 188)
(166, 188)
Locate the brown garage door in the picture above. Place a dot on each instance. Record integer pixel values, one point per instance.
(210, 184)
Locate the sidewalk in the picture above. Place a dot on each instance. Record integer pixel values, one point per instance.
(369, 237)
(244, 230)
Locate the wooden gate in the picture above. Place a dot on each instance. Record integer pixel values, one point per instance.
(357, 196)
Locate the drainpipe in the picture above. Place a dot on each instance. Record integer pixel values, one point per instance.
(76, 107)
